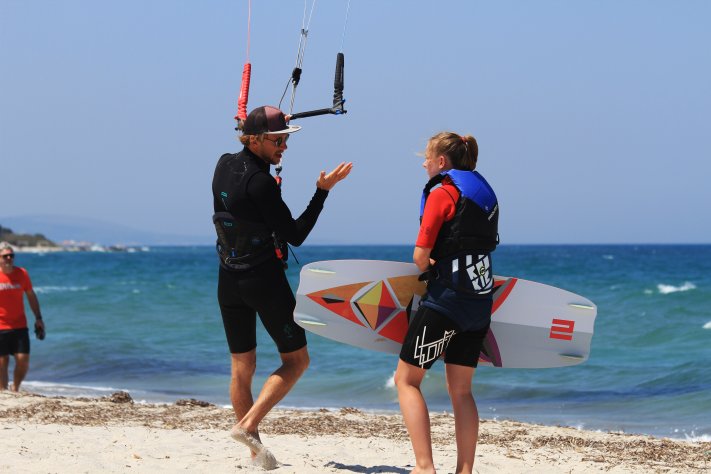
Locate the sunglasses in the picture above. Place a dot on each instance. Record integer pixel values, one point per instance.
(8, 256)
(277, 141)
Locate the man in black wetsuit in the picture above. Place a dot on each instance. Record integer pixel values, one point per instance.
(253, 224)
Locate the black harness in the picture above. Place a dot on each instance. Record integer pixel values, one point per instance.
(241, 243)
(462, 251)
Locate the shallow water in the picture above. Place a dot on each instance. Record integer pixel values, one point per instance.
(148, 323)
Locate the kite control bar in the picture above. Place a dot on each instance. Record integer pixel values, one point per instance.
(338, 100)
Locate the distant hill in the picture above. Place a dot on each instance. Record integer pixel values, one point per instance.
(63, 228)
(24, 240)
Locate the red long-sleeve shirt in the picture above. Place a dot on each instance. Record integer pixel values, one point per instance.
(439, 208)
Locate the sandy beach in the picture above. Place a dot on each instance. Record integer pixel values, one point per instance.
(115, 434)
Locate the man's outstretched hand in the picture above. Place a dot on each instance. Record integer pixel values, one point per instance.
(328, 181)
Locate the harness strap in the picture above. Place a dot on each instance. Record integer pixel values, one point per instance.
(227, 249)
(474, 276)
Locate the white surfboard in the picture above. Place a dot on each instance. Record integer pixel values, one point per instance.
(368, 303)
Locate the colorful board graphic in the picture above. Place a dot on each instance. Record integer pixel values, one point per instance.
(368, 303)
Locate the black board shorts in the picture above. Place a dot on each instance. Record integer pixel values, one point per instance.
(431, 333)
(14, 341)
(263, 290)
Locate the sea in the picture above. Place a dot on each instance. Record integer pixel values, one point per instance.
(147, 322)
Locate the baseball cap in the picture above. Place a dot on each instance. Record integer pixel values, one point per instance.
(268, 120)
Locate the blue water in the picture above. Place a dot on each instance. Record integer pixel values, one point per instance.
(148, 323)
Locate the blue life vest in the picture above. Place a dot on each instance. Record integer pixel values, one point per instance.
(464, 244)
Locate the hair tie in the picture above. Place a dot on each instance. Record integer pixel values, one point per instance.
(464, 140)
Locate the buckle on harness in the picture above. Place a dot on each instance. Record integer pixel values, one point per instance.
(231, 260)
(431, 274)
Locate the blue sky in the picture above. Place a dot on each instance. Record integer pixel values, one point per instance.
(593, 118)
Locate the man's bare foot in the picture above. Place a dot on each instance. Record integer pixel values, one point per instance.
(260, 454)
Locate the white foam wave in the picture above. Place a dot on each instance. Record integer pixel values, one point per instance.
(707, 325)
(53, 389)
(59, 289)
(608, 257)
(697, 439)
(666, 289)
(67, 390)
(390, 382)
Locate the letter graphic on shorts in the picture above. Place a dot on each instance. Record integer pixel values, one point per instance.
(430, 351)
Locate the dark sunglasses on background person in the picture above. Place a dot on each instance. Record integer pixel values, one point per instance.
(277, 141)
(8, 256)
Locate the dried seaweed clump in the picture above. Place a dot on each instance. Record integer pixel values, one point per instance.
(118, 397)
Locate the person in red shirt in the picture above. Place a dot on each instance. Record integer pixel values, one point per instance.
(14, 336)
(458, 232)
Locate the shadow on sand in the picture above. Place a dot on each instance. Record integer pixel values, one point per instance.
(369, 470)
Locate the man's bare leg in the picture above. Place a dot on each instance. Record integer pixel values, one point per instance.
(275, 388)
(4, 365)
(243, 368)
(22, 365)
(293, 365)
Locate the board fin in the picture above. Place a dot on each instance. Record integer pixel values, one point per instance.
(572, 356)
(581, 306)
(312, 323)
(318, 270)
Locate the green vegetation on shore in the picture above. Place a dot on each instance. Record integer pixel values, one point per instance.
(24, 240)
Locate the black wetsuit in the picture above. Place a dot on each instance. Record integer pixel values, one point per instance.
(243, 187)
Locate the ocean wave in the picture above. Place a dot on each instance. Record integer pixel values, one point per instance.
(390, 382)
(707, 325)
(69, 390)
(59, 289)
(666, 289)
(57, 389)
(705, 438)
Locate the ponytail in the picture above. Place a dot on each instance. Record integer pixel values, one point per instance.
(462, 151)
